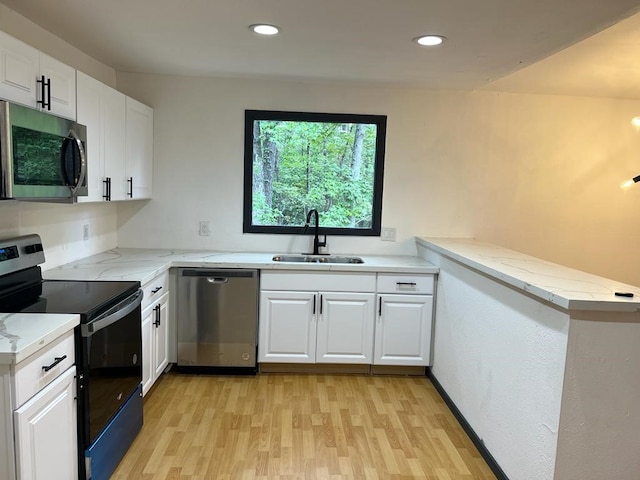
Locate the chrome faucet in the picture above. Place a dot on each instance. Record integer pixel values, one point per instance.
(316, 241)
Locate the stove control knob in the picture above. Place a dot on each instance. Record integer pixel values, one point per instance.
(35, 248)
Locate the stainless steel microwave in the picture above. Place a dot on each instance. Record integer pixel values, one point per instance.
(42, 156)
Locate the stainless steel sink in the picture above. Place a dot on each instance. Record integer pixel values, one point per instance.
(317, 259)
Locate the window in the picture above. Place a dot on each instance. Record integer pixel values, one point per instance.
(330, 162)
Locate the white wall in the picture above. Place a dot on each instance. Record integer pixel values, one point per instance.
(198, 163)
(60, 226)
(500, 357)
(538, 174)
(600, 419)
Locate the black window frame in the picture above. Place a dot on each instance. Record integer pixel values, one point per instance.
(381, 125)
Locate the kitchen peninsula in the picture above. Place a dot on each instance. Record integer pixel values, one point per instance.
(540, 359)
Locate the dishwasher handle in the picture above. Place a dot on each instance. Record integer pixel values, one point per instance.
(222, 275)
(218, 279)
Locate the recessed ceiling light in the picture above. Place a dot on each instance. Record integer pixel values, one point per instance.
(264, 29)
(429, 40)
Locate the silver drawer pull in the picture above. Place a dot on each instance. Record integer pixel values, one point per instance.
(56, 361)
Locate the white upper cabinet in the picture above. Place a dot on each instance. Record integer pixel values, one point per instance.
(119, 142)
(102, 110)
(90, 114)
(19, 67)
(36, 80)
(61, 90)
(139, 149)
(113, 124)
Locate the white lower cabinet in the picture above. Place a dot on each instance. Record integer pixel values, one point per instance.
(45, 432)
(38, 417)
(332, 323)
(404, 319)
(155, 328)
(403, 330)
(287, 327)
(161, 339)
(338, 322)
(345, 328)
(316, 327)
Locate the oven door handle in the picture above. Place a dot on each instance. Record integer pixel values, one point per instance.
(116, 313)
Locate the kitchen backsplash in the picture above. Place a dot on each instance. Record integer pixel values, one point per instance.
(62, 228)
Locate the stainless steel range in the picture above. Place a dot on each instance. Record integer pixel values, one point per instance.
(108, 349)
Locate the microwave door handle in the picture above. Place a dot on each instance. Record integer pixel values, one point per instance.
(6, 166)
(83, 162)
(124, 308)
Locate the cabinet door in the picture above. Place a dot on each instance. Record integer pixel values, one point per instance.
(403, 330)
(45, 428)
(345, 328)
(62, 86)
(148, 331)
(139, 149)
(90, 114)
(19, 67)
(287, 328)
(113, 118)
(160, 337)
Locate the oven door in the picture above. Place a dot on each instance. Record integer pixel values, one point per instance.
(111, 366)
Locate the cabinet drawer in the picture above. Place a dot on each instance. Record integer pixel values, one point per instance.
(155, 289)
(411, 283)
(30, 375)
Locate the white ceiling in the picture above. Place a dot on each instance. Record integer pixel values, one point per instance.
(604, 65)
(357, 40)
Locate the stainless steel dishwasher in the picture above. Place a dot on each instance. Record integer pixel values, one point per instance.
(217, 318)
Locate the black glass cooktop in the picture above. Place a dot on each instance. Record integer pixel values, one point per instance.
(64, 296)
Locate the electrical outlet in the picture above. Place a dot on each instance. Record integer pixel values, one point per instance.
(388, 234)
(205, 228)
(85, 232)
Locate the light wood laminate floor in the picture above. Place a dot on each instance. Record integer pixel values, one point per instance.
(285, 426)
